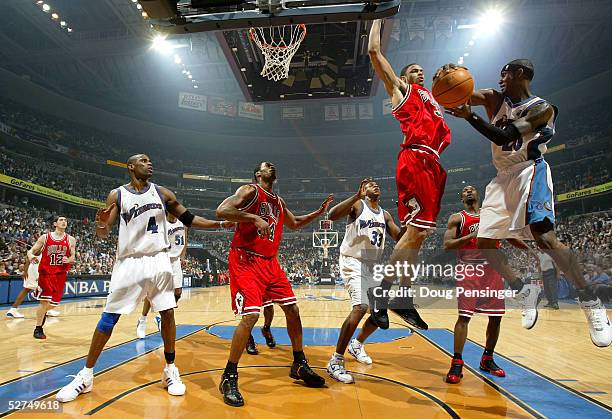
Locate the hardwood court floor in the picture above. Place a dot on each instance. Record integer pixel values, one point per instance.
(407, 374)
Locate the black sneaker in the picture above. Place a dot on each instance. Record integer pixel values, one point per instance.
(229, 389)
(412, 317)
(302, 371)
(267, 334)
(39, 334)
(552, 306)
(251, 347)
(378, 310)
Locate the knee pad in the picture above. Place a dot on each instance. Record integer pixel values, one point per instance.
(107, 322)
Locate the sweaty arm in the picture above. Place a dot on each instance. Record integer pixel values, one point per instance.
(535, 118)
(394, 86)
(451, 239)
(298, 221)
(106, 217)
(33, 253)
(72, 257)
(393, 229)
(187, 218)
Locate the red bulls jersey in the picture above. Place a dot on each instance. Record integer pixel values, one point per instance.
(51, 257)
(469, 252)
(422, 120)
(269, 207)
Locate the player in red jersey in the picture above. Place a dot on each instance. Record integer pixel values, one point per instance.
(57, 252)
(419, 176)
(256, 278)
(474, 275)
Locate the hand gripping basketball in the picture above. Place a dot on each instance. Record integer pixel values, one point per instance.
(102, 216)
(452, 86)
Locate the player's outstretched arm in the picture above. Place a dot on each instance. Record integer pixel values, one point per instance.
(298, 221)
(187, 218)
(395, 231)
(105, 217)
(451, 235)
(351, 206)
(231, 209)
(393, 84)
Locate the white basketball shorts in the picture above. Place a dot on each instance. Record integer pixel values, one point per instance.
(516, 198)
(134, 278)
(357, 278)
(177, 272)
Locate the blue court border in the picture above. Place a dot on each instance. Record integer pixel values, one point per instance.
(43, 383)
(532, 389)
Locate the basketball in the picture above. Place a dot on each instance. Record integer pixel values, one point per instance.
(453, 88)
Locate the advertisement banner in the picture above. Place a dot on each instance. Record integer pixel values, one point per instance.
(192, 101)
(292, 112)
(251, 110)
(32, 187)
(366, 111)
(332, 113)
(220, 106)
(349, 111)
(581, 193)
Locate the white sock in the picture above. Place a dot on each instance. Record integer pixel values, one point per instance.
(143, 317)
(357, 343)
(337, 356)
(88, 371)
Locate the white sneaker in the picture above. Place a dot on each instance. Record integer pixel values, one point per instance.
(172, 380)
(528, 299)
(336, 370)
(53, 313)
(82, 383)
(358, 351)
(141, 328)
(14, 313)
(599, 323)
(158, 322)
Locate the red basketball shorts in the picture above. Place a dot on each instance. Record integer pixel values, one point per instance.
(479, 291)
(420, 184)
(256, 282)
(50, 288)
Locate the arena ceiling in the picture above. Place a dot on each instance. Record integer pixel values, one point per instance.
(106, 60)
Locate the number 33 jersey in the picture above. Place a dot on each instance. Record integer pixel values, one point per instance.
(268, 206)
(142, 222)
(364, 238)
(532, 145)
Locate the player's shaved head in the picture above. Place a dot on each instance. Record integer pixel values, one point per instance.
(133, 159)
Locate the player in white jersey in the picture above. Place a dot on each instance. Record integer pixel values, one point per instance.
(519, 200)
(362, 247)
(30, 283)
(142, 267)
(177, 237)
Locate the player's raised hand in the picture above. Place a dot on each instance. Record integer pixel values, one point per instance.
(463, 111)
(362, 187)
(263, 228)
(325, 205)
(102, 216)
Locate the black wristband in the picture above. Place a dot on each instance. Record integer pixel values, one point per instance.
(186, 218)
(496, 135)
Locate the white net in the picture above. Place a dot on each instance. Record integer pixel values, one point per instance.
(278, 44)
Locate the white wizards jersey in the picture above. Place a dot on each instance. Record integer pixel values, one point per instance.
(531, 145)
(142, 223)
(176, 237)
(365, 237)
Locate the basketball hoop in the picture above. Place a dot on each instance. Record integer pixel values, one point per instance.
(278, 44)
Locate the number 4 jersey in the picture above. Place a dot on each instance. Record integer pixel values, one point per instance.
(531, 145)
(364, 238)
(268, 206)
(142, 222)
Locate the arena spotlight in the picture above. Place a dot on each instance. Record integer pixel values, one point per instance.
(490, 21)
(177, 59)
(161, 45)
(46, 7)
(54, 16)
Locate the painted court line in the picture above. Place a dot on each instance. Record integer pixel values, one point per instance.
(538, 392)
(37, 385)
